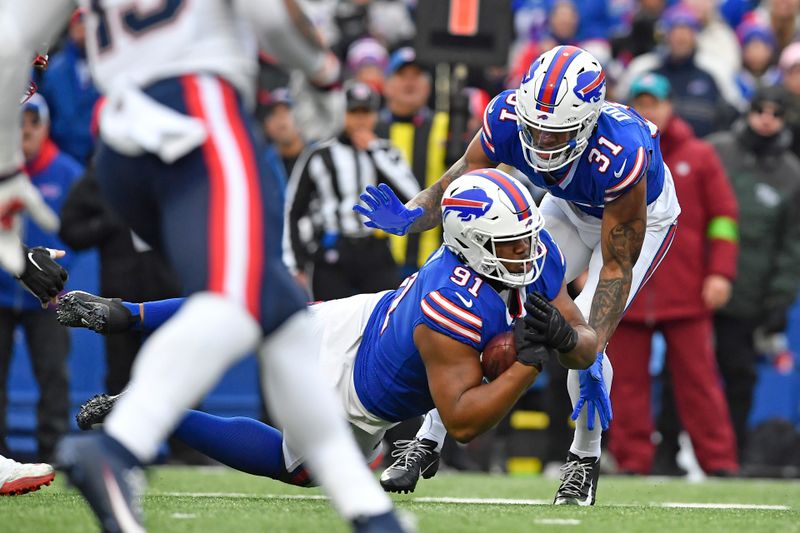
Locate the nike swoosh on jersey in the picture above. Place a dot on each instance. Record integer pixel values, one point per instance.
(618, 173)
(467, 303)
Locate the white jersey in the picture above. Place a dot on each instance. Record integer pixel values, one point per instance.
(139, 42)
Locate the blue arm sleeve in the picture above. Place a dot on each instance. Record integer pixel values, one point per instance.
(153, 314)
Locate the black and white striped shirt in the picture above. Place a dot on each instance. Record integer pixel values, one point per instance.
(325, 185)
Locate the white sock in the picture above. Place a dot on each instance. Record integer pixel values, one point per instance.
(177, 366)
(586, 443)
(306, 406)
(433, 429)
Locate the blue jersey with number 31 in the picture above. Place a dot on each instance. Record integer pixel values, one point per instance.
(622, 150)
(450, 298)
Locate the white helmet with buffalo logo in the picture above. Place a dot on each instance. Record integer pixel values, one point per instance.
(483, 208)
(558, 103)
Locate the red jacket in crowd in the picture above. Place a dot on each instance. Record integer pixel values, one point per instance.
(706, 240)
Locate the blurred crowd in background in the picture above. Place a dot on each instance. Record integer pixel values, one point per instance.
(719, 78)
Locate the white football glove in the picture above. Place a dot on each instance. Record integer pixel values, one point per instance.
(17, 193)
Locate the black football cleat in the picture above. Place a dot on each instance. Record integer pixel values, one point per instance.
(414, 458)
(79, 309)
(95, 410)
(108, 476)
(578, 481)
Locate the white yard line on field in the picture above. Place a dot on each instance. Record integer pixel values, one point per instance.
(760, 507)
(479, 501)
(557, 522)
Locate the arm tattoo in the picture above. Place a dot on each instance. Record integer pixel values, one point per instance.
(431, 198)
(623, 247)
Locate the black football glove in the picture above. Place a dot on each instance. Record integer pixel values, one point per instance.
(529, 351)
(43, 277)
(548, 325)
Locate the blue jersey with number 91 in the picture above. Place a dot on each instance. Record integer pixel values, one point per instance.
(622, 150)
(450, 298)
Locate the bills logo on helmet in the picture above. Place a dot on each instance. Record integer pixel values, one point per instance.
(589, 85)
(468, 204)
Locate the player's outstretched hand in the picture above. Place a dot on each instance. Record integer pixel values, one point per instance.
(594, 394)
(548, 325)
(385, 211)
(43, 277)
(18, 194)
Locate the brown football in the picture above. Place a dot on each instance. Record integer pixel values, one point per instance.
(498, 355)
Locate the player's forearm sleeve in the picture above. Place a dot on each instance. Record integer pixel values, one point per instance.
(25, 27)
(285, 32)
(153, 314)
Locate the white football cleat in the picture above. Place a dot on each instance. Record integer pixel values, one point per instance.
(20, 478)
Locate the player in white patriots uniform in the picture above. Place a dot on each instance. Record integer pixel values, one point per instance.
(178, 160)
(612, 209)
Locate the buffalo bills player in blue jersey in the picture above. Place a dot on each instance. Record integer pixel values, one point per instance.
(611, 208)
(395, 355)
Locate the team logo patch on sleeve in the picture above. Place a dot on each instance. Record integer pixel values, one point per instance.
(468, 204)
(589, 85)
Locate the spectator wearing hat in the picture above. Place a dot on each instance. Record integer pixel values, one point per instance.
(421, 136)
(52, 172)
(324, 239)
(783, 18)
(765, 175)
(758, 57)
(284, 140)
(366, 62)
(702, 263)
(704, 98)
(67, 86)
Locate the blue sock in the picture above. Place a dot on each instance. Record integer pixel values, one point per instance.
(153, 314)
(241, 443)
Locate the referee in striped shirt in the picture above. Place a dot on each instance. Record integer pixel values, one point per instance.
(324, 239)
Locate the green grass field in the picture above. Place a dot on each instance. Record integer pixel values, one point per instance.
(218, 499)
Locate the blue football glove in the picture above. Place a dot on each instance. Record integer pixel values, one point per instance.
(595, 395)
(385, 211)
